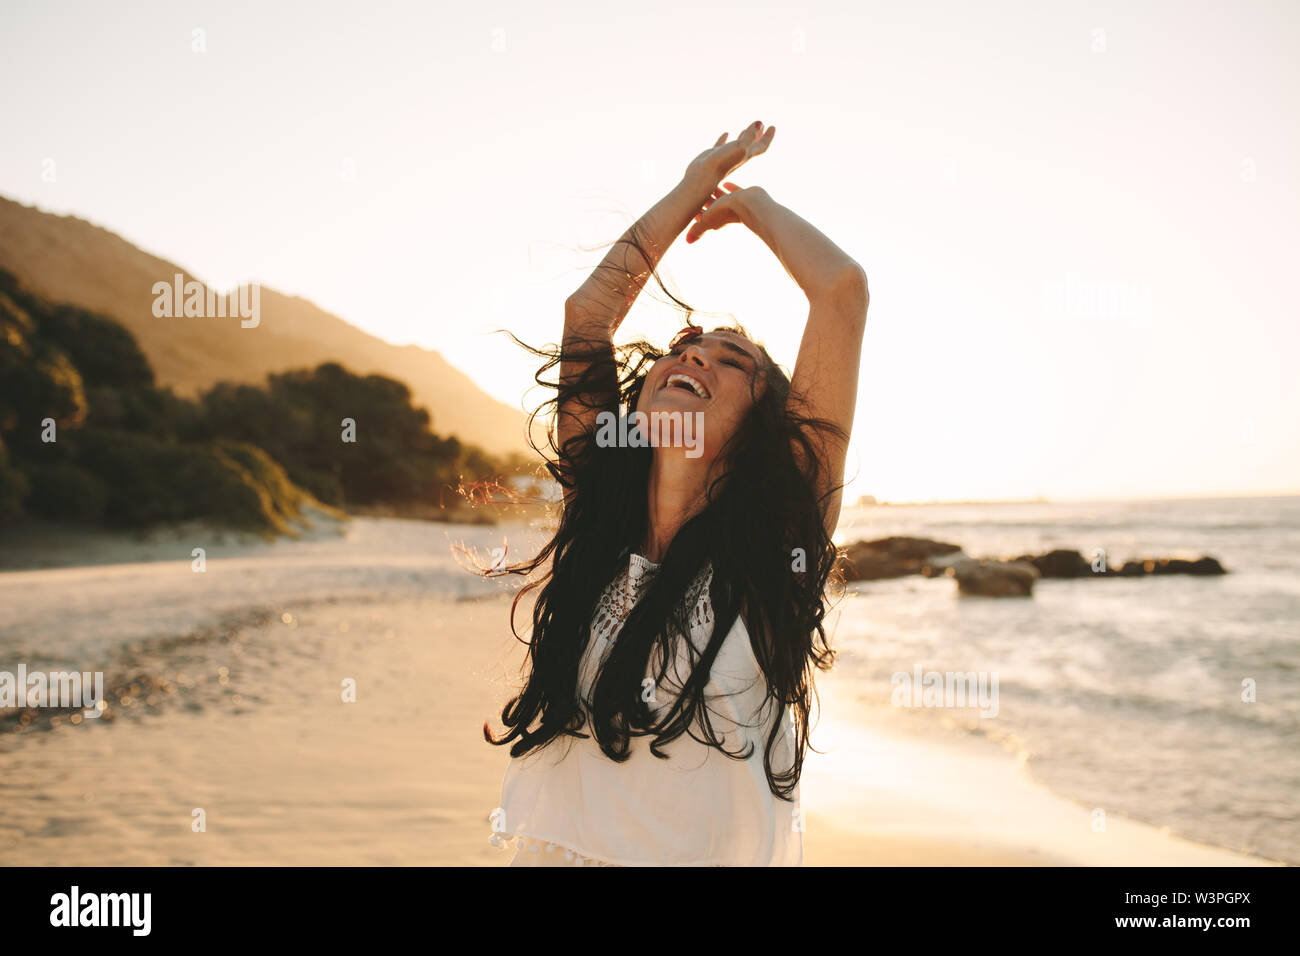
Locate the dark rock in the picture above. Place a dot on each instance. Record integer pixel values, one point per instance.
(995, 578)
(898, 556)
(1202, 566)
(1071, 564)
(892, 557)
(1059, 564)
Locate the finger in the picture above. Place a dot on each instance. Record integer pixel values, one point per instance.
(721, 139)
(698, 228)
(761, 144)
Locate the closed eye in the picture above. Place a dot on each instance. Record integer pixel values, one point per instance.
(732, 362)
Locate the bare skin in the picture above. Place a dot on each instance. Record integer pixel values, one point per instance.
(725, 365)
(826, 371)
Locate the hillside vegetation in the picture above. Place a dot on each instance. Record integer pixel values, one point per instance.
(88, 434)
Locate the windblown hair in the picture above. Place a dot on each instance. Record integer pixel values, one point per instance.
(759, 507)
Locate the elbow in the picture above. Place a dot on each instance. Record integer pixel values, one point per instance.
(850, 291)
(578, 313)
(853, 282)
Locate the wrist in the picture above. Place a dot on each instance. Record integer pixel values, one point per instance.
(752, 203)
(695, 187)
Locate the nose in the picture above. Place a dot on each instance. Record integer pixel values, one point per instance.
(695, 353)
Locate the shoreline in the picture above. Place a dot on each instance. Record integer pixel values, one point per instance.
(40, 545)
(954, 797)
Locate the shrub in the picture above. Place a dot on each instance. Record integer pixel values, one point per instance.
(64, 491)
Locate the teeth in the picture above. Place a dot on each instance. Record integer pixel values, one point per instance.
(696, 386)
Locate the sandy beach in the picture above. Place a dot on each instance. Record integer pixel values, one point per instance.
(252, 730)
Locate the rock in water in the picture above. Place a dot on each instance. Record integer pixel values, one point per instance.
(995, 578)
(1059, 564)
(1202, 566)
(891, 557)
(1071, 564)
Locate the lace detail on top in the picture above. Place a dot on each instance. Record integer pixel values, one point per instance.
(623, 593)
(615, 605)
(621, 596)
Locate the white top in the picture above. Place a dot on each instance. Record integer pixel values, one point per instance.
(568, 804)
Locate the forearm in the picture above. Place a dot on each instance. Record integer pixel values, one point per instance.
(817, 265)
(604, 299)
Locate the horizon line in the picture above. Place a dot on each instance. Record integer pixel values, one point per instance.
(1042, 499)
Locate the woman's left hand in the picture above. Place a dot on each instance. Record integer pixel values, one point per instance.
(722, 158)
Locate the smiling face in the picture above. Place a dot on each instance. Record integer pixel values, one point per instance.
(715, 374)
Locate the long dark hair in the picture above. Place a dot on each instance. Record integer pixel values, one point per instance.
(760, 515)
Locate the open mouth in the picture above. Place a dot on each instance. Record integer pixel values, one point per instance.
(687, 383)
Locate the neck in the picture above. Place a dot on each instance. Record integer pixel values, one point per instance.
(675, 495)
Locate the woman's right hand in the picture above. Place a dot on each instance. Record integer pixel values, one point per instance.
(722, 158)
(723, 208)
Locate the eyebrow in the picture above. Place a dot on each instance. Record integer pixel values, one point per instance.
(738, 350)
(733, 347)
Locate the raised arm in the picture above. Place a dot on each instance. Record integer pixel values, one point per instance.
(826, 372)
(594, 312)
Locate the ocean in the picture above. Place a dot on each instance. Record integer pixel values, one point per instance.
(1121, 694)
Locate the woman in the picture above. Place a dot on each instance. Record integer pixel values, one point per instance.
(684, 600)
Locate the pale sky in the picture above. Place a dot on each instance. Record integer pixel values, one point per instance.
(1079, 220)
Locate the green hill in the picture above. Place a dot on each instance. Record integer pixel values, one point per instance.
(67, 260)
